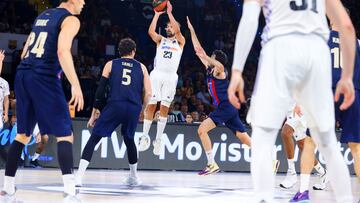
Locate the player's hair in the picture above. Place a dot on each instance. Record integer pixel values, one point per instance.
(126, 46)
(220, 56)
(168, 22)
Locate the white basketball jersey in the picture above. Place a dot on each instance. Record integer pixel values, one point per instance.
(168, 56)
(294, 16)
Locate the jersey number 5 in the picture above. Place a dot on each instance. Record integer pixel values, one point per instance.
(38, 48)
(303, 5)
(126, 77)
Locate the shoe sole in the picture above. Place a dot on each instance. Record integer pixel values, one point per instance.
(206, 174)
(316, 188)
(283, 187)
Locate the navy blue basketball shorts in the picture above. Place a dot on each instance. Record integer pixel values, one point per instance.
(226, 114)
(349, 120)
(115, 113)
(41, 99)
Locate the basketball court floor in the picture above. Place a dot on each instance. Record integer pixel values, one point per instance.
(45, 186)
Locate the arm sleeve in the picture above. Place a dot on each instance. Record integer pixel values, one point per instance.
(246, 33)
(100, 93)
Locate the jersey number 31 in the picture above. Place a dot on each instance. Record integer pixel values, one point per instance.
(303, 6)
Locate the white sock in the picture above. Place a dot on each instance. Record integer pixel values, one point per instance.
(319, 168)
(291, 165)
(338, 172)
(35, 157)
(82, 168)
(146, 126)
(9, 185)
(160, 127)
(304, 182)
(69, 184)
(133, 170)
(262, 143)
(210, 157)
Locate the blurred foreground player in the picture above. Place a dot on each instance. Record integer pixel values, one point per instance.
(40, 97)
(127, 79)
(294, 65)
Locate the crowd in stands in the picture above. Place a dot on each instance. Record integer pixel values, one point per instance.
(215, 21)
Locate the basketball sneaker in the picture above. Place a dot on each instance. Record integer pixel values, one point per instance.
(132, 181)
(7, 198)
(323, 180)
(157, 146)
(302, 197)
(35, 164)
(144, 143)
(209, 169)
(290, 180)
(70, 199)
(276, 164)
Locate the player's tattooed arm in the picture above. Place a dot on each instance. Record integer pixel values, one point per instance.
(180, 38)
(147, 85)
(152, 28)
(94, 116)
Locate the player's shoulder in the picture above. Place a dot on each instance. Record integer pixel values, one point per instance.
(3, 81)
(71, 21)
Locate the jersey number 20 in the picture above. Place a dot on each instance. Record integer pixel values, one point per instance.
(38, 48)
(303, 6)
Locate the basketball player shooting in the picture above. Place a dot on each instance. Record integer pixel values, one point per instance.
(163, 77)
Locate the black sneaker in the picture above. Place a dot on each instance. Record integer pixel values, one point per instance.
(35, 164)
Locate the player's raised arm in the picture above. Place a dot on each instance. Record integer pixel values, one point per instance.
(244, 39)
(196, 42)
(180, 38)
(147, 85)
(337, 14)
(152, 29)
(69, 29)
(25, 48)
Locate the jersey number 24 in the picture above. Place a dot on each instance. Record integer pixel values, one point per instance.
(38, 48)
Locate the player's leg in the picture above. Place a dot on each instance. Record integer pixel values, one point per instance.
(287, 132)
(207, 125)
(263, 140)
(40, 147)
(306, 166)
(168, 89)
(355, 151)
(128, 129)
(104, 126)
(86, 158)
(316, 97)
(25, 125)
(150, 109)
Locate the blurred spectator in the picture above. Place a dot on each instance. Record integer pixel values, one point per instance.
(189, 119)
(182, 115)
(195, 116)
(204, 95)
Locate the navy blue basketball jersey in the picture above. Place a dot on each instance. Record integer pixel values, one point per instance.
(126, 81)
(42, 52)
(334, 44)
(217, 88)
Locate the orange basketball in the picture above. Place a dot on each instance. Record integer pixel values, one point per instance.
(159, 5)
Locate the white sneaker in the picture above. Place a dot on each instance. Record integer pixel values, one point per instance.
(132, 181)
(323, 180)
(6, 198)
(70, 199)
(144, 143)
(157, 146)
(289, 181)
